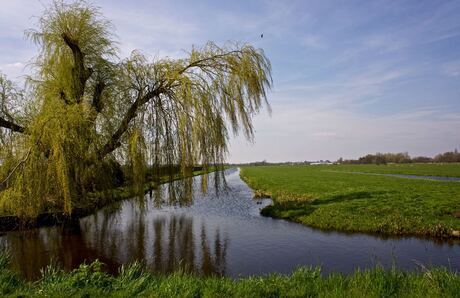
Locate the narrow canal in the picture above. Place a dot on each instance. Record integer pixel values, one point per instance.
(219, 233)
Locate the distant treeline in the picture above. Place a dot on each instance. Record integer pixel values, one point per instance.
(402, 157)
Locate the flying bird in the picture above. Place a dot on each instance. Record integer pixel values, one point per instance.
(262, 35)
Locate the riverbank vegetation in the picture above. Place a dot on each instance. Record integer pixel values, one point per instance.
(330, 197)
(133, 281)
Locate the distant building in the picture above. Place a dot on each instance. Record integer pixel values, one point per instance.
(321, 162)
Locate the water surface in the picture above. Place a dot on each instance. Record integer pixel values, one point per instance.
(218, 234)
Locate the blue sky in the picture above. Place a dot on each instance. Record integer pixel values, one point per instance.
(350, 77)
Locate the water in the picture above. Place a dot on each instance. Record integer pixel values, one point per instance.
(222, 235)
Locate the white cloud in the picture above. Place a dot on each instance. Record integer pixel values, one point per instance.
(16, 65)
(14, 71)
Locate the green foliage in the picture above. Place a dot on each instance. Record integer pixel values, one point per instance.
(133, 281)
(330, 197)
(10, 282)
(137, 161)
(85, 110)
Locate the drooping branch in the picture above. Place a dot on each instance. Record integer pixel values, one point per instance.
(11, 125)
(202, 62)
(16, 167)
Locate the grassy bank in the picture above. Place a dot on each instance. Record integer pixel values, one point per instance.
(329, 197)
(132, 281)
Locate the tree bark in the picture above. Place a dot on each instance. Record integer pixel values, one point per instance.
(97, 104)
(114, 141)
(80, 73)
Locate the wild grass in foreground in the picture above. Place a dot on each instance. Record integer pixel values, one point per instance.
(134, 281)
(330, 197)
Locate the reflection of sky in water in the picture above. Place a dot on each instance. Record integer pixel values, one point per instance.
(217, 234)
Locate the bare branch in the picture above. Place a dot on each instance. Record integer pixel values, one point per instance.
(11, 125)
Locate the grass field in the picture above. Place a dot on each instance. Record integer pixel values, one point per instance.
(324, 197)
(133, 281)
(420, 169)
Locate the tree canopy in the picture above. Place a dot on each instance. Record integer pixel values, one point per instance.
(85, 109)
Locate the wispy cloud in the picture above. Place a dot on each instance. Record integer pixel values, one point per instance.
(451, 69)
(313, 41)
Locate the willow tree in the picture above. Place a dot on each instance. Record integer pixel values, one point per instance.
(86, 109)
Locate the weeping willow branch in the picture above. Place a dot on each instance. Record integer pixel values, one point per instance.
(16, 167)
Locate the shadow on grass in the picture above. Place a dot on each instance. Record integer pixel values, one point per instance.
(359, 195)
(294, 209)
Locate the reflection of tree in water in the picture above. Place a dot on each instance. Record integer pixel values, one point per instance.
(182, 192)
(34, 250)
(165, 242)
(124, 232)
(213, 263)
(178, 243)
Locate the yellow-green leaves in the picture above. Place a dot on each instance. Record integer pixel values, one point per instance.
(136, 155)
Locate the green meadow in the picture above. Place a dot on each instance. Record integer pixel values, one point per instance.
(419, 169)
(331, 197)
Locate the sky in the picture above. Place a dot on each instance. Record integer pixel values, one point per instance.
(350, 77)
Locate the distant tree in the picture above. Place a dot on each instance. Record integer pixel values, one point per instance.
(422, 159)
(86, 110)
(448, 157)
